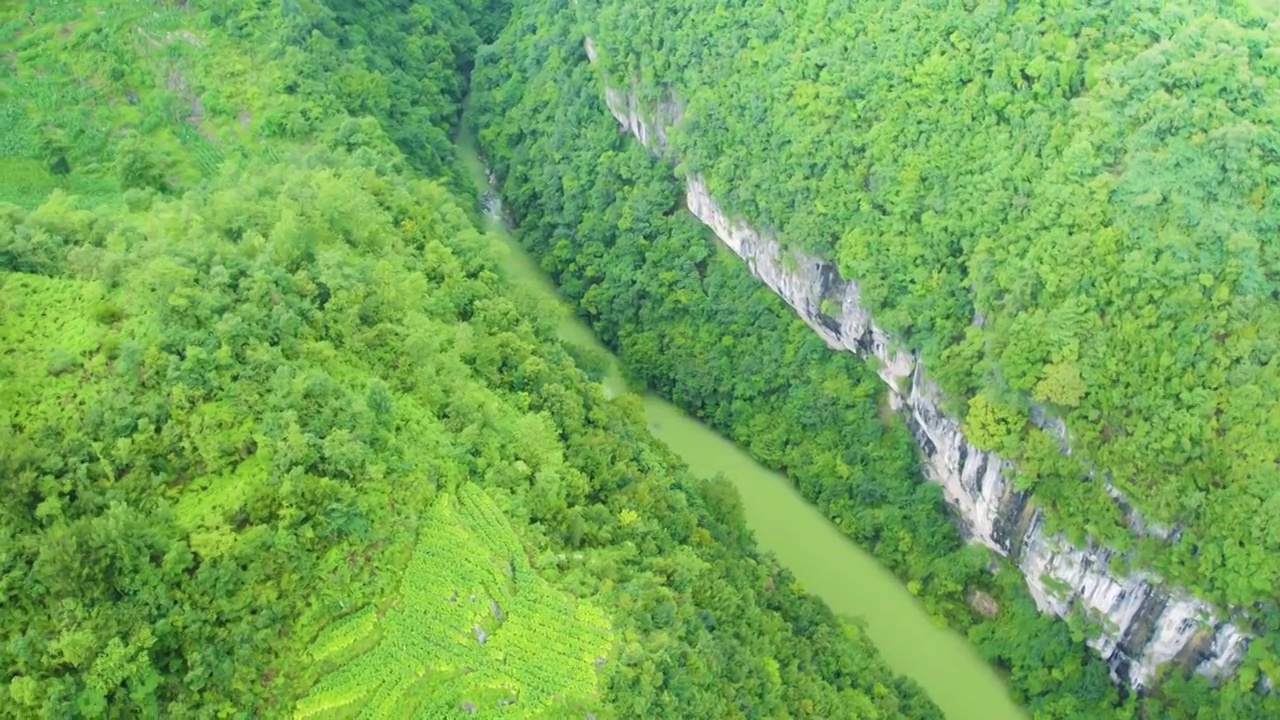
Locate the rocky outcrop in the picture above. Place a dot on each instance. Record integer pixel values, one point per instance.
(1143, 622)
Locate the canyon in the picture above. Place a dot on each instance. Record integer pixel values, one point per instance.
(1140, 622)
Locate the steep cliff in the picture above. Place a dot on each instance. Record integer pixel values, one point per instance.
(1142, 622)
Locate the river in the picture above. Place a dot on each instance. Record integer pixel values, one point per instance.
(822, 559)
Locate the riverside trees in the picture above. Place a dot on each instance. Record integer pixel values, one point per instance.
(1094, 181)
(250, 336)
(606, 220)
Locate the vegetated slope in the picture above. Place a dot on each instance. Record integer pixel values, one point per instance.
(250, 362)
(691, 322)
(473, 626)
(1080, 313)
(1066, 205)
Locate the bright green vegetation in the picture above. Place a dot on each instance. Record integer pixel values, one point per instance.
(1096, 181)
(824, 560)
(689, 322)
(471, 625)
(257, 363)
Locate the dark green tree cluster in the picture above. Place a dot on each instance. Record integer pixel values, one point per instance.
(690, 322)
(398, 61)
(1060, 205)
(230, 390)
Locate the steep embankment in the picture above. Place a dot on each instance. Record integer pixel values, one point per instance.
(823, 559)
(273, 424)
(688, 320)
(1144, 623)
(1064, 216)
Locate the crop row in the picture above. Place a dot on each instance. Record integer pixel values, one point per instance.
(343, 634)
(521, 648)
(485, 520)
(339, 690)
(387, 700)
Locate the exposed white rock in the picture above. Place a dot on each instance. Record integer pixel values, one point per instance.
(1228, 646)
(1143, 622)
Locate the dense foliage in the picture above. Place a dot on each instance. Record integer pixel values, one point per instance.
(689, 321)
(1062, 205)
(247, 348)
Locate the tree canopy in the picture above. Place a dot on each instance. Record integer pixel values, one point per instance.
(264, 388)
(690, 322)
(1063, 207)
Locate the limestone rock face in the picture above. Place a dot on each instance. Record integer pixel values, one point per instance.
(1144, 622)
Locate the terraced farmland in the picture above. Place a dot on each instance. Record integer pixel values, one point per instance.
(107, 96)
(473, 629)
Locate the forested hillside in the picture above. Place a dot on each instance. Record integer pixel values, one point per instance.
(278, 438)
(1066, 207)
(690, 321)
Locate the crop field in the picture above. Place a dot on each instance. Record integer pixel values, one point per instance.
(473, 630)
(82, 76)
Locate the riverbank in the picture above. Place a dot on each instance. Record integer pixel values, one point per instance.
(826, 562)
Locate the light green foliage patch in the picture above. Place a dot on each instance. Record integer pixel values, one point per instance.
(47, 331)
(342, 634)
(472, 626)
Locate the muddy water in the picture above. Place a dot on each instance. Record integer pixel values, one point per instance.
(824, 561)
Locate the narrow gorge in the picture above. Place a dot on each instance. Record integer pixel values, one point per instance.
(1142, 623)
(676, 359)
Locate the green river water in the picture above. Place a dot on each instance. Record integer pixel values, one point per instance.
(822, 559)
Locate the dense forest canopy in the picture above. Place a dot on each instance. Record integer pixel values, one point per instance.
(279, 438)
(689, 321)
(1065, 207)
